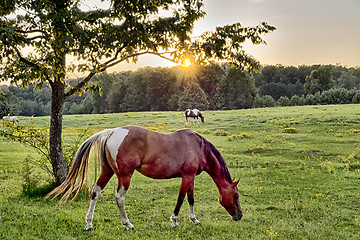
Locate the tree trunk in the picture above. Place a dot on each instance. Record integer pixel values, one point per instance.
(57, 104)
(56, 154)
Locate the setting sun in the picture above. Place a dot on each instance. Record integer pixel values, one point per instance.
(187, 62)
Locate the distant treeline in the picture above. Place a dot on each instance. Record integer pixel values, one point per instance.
(211, 87)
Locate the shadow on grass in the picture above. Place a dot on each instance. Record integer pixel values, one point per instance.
(37, 192)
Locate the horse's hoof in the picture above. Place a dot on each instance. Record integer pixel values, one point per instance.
(173, 220)
(129, 226)
(194, 221)
(88, 228)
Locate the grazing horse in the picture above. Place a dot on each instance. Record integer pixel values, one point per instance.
(183, 153)
(194, 114)
(14, 120)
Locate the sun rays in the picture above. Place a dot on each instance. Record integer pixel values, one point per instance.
(187, 71)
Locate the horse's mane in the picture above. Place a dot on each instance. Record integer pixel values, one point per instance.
(210, 148)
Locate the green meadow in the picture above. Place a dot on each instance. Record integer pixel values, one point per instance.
(299, 171)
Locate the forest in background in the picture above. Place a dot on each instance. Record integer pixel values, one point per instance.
(210, 87)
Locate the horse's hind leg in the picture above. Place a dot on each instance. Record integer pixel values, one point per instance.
(95, 193)
(124, 183)
(106, 174)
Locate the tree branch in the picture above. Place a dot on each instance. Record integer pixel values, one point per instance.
(24, 60)
(35, 37)
(116, 55)
(80, 85)
(32, 64)
(115, 62)
(31, 31)
(110, 63)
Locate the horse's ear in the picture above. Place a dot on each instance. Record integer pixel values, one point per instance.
(235, 183)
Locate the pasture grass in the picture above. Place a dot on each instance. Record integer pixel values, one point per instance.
(299, 176)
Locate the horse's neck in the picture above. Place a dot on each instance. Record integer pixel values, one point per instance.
(214, 170)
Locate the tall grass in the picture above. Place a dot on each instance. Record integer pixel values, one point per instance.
(299, 176)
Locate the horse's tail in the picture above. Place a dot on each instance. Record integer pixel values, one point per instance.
(75, 179)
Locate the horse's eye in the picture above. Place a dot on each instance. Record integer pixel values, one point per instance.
(236, 197)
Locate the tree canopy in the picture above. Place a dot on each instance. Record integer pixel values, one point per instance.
(102, 38)
(38, 37)
(320, 79)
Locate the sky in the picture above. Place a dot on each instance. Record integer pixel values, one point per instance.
(308, 31)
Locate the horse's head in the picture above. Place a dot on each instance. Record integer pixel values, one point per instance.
(201, 117)
(229, 199)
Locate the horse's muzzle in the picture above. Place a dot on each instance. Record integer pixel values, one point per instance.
(237, 216)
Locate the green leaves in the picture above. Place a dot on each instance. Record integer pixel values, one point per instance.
(31, 136)
(7, 7)
(101, 38)
(38, 138)
(225, 44)
(320, 79)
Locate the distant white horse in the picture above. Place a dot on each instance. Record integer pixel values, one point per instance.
(194, 114)
(14, 120)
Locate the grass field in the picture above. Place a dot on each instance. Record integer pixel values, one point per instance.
(299, 176)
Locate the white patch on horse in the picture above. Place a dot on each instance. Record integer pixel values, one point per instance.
(192, 215)
(173, 219)
(120, 200)
(195, 111)
(187, 113)
(115, 140)
(96, 191)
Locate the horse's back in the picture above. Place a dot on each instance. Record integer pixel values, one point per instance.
(11, 119)
(159, 155)
(196, 112)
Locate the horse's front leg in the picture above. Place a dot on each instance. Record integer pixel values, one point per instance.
(185, 186)
(191, 201)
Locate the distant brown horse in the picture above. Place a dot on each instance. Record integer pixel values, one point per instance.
(156, 155)
(194, 114)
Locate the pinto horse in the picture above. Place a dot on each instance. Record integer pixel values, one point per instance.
(183, 153)
(194, 114)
